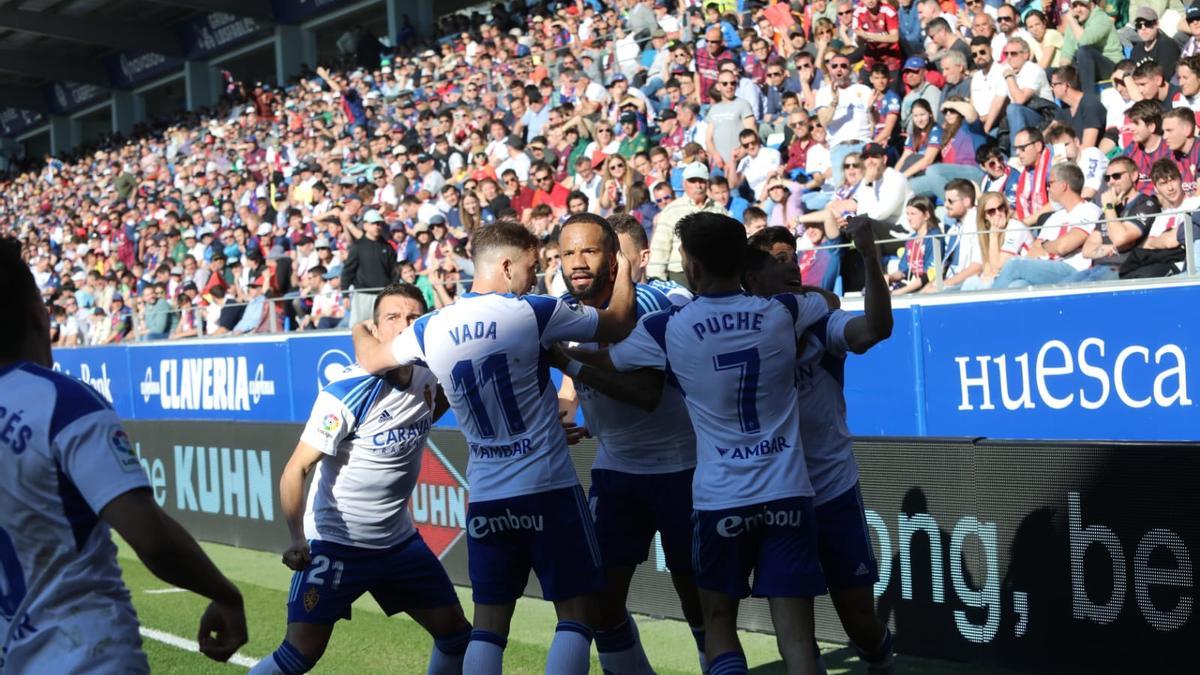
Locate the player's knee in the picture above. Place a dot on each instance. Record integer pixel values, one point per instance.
(309, 639)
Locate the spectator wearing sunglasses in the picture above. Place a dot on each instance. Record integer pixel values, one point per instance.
(1152, 45)
(1128, 215)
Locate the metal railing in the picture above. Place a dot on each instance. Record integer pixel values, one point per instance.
(1189, 244)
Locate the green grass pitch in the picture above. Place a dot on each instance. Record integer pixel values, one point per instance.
(373, 643)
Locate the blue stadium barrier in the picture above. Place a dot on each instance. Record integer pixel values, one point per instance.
(1108, 364)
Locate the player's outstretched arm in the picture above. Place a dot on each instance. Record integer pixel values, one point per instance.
(291, 499)
(619, 318)
(172, 555)
(374, 356)
(875, 325)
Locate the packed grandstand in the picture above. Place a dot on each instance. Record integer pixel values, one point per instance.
(995, 145)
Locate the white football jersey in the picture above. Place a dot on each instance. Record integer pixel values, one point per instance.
(632, 440)
(490, 354)
(734, 356)
(820, 376)
(63, 606)
(374, 436)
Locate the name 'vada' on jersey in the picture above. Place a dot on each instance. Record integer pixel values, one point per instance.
(489, 351)
(373, 434)
(734, 356)
(63, 606)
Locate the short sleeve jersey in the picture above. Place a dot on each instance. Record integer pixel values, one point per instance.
(490, 354)
(372, 434)
(734, 357)
(631, 439)
(66, 457)
(821, 401)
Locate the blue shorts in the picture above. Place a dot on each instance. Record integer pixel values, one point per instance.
(405, 576)
(775, 540)
(550, 532)
(629, 508)
(844, 542)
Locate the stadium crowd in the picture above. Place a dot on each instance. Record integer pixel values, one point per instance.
(1016, 145)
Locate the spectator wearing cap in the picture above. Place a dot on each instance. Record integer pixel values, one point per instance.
(370, 265)
(1191, 47)
(665, 262)
(633, 140)
(120, 320)
(881, 194)
(431, 179)
(1090, 42)
(844, 109)
(1152, 44)
(916, 86)
(255, 317)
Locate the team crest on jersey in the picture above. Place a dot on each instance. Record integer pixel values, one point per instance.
(311, 598)
(331, 424)
(439, 502)
(122, 449)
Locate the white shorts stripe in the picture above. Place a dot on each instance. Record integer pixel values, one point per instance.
(585, 514)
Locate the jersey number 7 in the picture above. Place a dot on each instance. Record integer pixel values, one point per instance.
(746, 362)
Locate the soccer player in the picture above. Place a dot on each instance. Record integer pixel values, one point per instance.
(490, 351)
(642, 475)
(734, 358)
(69, 474)
(635, 245)
(843, 542)
(366, 437)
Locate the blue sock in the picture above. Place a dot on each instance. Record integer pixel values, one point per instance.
(880, 660)
(620, 650)
(729, 663)
(698, 636)
(485, 653)
(287, 660)
(448, 653)
(571, 650)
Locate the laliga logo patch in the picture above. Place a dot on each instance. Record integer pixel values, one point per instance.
(122, 449)
(311, 598)
(331, 423)
(439, 502)
(331, 364)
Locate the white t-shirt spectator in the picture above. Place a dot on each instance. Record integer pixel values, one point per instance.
(1083, 217)
(1093, 164)
(883, 199)
(1032, 76)
(519, 163)
(756, 170)
(1164, 223)
(851, 122)
(1115, 107)
(969, 250)
(817, 160)
(1017, 238)
(985, 87)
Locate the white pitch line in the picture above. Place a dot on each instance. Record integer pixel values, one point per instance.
(191, 645)
(163, 591)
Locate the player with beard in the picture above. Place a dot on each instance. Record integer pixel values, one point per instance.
(843, 542)
(642, 476)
